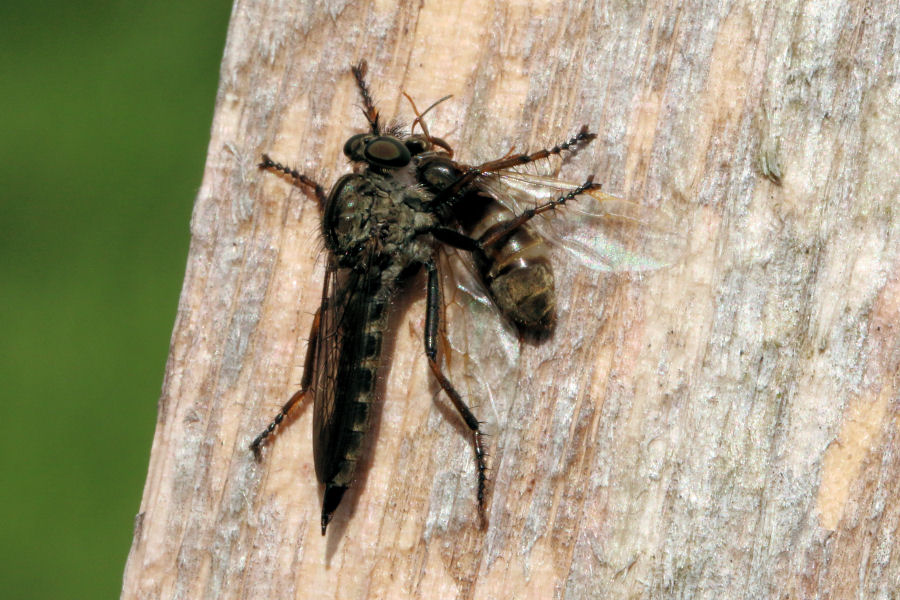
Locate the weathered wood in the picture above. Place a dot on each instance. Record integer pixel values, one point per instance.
(726, 428)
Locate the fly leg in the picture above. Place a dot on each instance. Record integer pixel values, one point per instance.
(500, 234)
(432, 316)
(449, 193)
(359, 73)
(514, 160)
(258, 441)
(299, 179)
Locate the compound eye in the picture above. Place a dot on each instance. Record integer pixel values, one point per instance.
(438, 172)
(386, 152)
(417, 145)
(355, 147)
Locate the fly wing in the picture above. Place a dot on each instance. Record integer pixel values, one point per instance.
(478, 347)
(347, 305)
(597, 230)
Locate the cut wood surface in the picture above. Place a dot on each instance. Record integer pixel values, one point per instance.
(726, 427)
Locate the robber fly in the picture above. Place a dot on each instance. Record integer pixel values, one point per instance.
(381, 224)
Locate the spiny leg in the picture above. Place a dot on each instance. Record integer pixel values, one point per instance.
(510, 226)
(513, 160)
(449, 193)
(432, 317)
(255, 446)
(369, 110)
(299, 179)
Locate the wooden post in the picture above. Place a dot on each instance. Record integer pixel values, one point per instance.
(724, 428)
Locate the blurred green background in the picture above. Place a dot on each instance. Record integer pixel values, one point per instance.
(105, 112)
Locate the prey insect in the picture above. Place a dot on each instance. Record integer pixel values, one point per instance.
(406, 198)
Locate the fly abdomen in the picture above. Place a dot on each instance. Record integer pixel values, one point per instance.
(516, 270)
(342, 422)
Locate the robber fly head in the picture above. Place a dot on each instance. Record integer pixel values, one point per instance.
(379, 151)
(387, 151)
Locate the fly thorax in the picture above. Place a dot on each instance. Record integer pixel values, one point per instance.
(346, 222)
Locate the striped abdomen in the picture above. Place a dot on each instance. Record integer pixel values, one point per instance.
(348, 355)
(516, 270)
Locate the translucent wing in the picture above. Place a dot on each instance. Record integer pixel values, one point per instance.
(325, 370)
(346, 306)
(600, 231)
(480, 347)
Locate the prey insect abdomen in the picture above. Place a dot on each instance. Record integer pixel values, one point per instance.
(516, 270)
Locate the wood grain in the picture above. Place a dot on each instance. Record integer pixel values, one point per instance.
(725, 428)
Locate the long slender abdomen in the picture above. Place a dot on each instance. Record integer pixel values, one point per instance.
(347, 370)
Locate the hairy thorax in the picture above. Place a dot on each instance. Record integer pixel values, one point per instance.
(378, 219)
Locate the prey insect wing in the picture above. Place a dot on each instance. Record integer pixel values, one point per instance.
(597, 230)
(480, 348)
